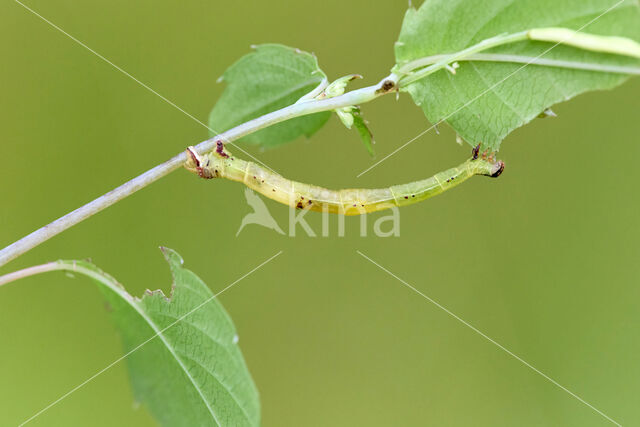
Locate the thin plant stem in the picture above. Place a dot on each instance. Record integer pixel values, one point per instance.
(31, 271)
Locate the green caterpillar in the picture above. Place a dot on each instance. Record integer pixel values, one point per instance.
(221, 164)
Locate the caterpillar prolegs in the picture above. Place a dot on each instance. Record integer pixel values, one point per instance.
(221, 164)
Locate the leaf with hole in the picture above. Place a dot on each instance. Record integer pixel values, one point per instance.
(182, 351)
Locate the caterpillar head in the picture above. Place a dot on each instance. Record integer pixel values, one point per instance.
(198, 164)
(497, 166)
(497, 169)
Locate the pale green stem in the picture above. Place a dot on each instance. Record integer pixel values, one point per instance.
(586, 41)
(31, 271)
(411, 76)
(521, 59)
(60, 265)
(315, 92)
(595, 43)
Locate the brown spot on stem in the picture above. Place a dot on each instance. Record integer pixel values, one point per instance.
(387, 86)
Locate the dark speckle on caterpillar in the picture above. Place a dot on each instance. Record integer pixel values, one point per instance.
(356, 201)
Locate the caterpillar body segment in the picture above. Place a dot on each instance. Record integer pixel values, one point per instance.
(356, 201)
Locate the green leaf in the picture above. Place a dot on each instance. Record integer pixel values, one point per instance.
(269, 78)
(349, 116)
(475, 101)
(363, 130)
(192, 372)
(337, 87)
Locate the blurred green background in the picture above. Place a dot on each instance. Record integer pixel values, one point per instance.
(544, 260)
